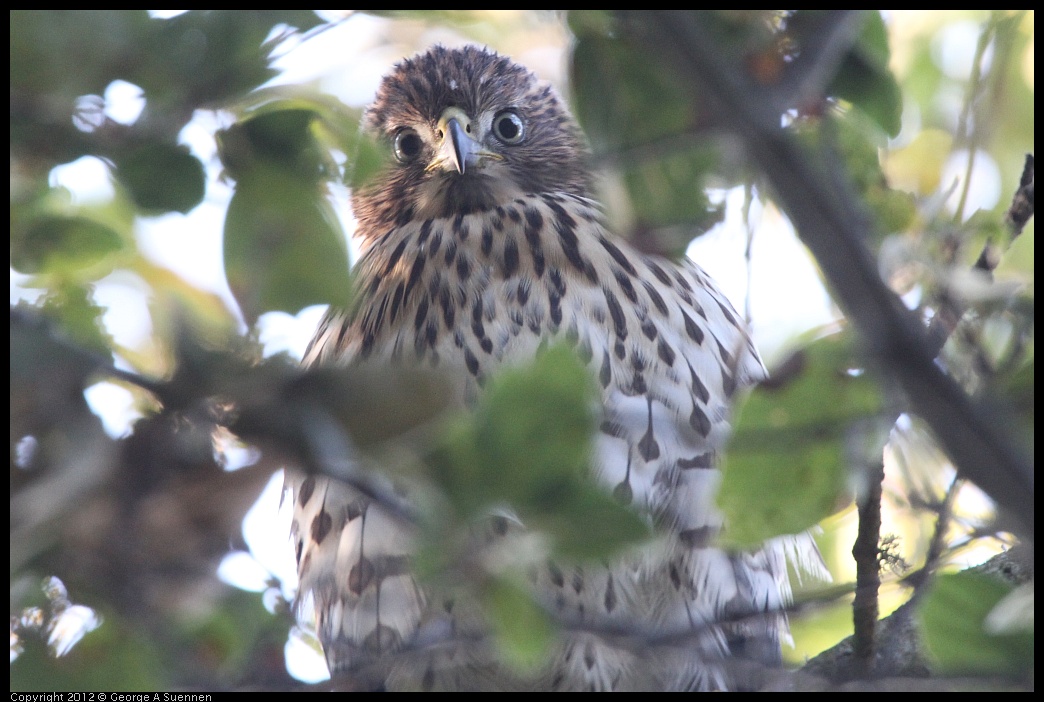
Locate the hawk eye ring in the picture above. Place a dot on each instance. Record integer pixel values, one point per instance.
(408, 145)
(508, 127)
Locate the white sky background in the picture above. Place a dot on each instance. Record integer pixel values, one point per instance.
(348, 60)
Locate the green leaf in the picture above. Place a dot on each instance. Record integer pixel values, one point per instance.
(523, 631)
(80, 318)
(273, 137)
(162, 177)
(592, 524)
(528, 444)
(397, 399)
(786, 467)
(64, 245)
(865, 80)
(622, 98)
(283, 245)
(669, 191)
(952, 617)
(857, 141)
(116, 656)
(635, 113)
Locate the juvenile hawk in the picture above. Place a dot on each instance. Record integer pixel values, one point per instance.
(481, 242)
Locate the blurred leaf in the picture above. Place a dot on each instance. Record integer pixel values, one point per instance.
(635, 112)
(212, 55)
(623, 98)
(523, 631)
(369, 157)
(278, 226)
(951, 619)
(377, 403)
(851, 136)
(279, 138)
(115, 657)
(71, 53)
(917, 167)
(787, 464)
(78, 317)
(162, 177)
(230, 637)
(64, 245)
(514, 451)
(670, 191)
(45, 368)
(865, 80)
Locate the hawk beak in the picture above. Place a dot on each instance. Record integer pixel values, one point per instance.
(459, 149)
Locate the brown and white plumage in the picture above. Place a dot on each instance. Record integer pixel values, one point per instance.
(481, 243)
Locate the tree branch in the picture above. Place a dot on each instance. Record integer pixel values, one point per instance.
(830, 219)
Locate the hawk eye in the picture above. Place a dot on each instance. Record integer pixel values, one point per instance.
(408, 145)
(508, 127)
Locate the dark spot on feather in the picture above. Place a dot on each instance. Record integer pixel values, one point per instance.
(610, 595)
(659, 273)
(616, 312)
(698, 388)
(654, 295)
(422, 312)
(556, 310)
(425, 231)
(617, 255)
(698, 420)
(396, 301)
(524, 287)
(448, 310)
(393, 259)
(321, 526)
(510, 257)
(463, 269)
(415, 272)
(360, 576)
(555, 574)
(694, 332)
(487, 240)
(558, 283)
(605, 374)
(705, 460)
(471, 361)
(625, 284)
(305, 493)
(665, 352)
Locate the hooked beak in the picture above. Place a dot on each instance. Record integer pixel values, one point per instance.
(459, 149)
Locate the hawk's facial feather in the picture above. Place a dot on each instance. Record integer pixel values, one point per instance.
(470, 130)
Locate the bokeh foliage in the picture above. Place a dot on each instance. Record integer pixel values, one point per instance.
(99, 512)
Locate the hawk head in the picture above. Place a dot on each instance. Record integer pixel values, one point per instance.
(468, 130)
